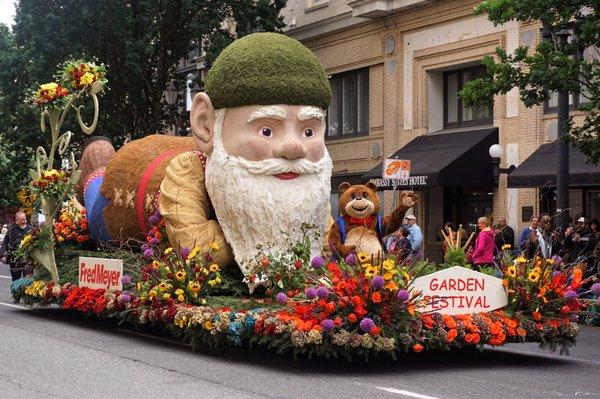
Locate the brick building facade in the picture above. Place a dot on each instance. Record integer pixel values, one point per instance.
(396, 67)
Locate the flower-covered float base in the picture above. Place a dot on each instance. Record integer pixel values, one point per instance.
(340, 314)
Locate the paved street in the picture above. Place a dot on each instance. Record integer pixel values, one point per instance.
(47, 353)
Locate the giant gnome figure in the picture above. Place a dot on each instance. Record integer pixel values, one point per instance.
(255, 170)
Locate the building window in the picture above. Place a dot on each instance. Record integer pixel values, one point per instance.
(576, 100)
(348, 114)
(455, 114)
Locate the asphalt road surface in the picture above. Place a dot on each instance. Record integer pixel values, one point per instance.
(47, 353)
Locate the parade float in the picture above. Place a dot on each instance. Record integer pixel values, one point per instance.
(233, 231)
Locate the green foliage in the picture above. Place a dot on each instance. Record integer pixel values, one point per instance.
(141, 41)
(548, 68)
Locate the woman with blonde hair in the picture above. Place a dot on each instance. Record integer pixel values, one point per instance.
(483, 254)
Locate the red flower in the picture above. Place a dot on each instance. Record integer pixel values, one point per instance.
(352, 318)
(376, 297)
(417, 348)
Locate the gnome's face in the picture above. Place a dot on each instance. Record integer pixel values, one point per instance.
(290, 132)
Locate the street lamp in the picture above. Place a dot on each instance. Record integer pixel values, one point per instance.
(171, 98)
(496, 153)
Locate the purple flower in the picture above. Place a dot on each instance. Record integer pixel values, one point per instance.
(125, 297)
(595, 289)
(598, 303)
(570, 294)
(557, 260)
(366, 324)
(351, 259)
(145, 247)
(402, 295)
(377, 282)
(317, 262)
(555, 273)
(153, 220)
(154, 241)
(281, 298)
(126, 279)
(328, 325)
(150, 233)
(574, 317)
(148, 253)
(185, 251)
(310, 293)
(322, 292)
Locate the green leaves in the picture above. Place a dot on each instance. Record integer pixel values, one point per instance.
(548, 68)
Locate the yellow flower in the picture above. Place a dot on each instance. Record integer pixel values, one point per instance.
(166, 296)
(61, 238)
(207, 325)
(180, 298)
(506, 246)
(366, 265)
(194, 252)
(511, 271)
(152, 294)
(168, 250)
(50, 88)
(178, 291)
(212, 283)
(194, 286)
(87, 79)
(214, 246)
(155, 265)
(181, 322)
(138, 286)
(180, 275)
(406, 276)
(369, 271)
(363, 257)
(521, 259)
(388, 264)
(537, 269)
(533, 276)
(550, 261)
(214, 268)
(388, 275)
(218, 280)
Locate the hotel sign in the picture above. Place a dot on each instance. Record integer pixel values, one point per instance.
(391, 183)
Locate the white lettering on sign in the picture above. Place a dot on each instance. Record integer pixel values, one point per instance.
(411, 181)
(395, 168)
(101, 273)
(458, 290)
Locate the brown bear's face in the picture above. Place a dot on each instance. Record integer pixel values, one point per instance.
(358, 201)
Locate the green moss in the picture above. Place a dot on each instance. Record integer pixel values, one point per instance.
(267, 68)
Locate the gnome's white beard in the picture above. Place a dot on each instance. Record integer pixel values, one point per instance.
(255, 208)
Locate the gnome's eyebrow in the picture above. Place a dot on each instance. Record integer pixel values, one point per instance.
(307, 113)
(269, 112)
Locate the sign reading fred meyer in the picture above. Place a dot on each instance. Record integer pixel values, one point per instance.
(101, 273)
(458, 290)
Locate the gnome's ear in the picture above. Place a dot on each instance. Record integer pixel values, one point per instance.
(202, 122)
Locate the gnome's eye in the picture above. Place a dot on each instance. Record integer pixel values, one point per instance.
(308, 133)
(266, 132)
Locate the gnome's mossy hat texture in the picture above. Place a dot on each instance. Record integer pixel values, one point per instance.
(267, 68)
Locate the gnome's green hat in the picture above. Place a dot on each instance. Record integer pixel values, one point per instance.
(267, 68)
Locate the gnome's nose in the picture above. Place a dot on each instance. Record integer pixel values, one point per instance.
(291, 149)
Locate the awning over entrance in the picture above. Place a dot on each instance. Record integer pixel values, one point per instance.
(449, 159)
(539, 169)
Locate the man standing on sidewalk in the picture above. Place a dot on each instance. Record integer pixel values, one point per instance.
(415, 236)
(11, 242)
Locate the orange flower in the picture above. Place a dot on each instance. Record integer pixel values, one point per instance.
(450, 322)
(521, 332)
(496, 328)
(451, 335)
(352, 318)
(537, 316)
(417, 348)
(428, 322)
(376, 297)
(317, 327)
(375, 330)
(469, 338)
(411, 309)
(330, 307)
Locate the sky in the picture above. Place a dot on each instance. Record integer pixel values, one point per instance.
(7, 11)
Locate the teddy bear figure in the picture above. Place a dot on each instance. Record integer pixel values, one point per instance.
(360, 227)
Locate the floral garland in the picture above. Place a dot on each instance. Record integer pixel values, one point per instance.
(71, 226)
(52, 183)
